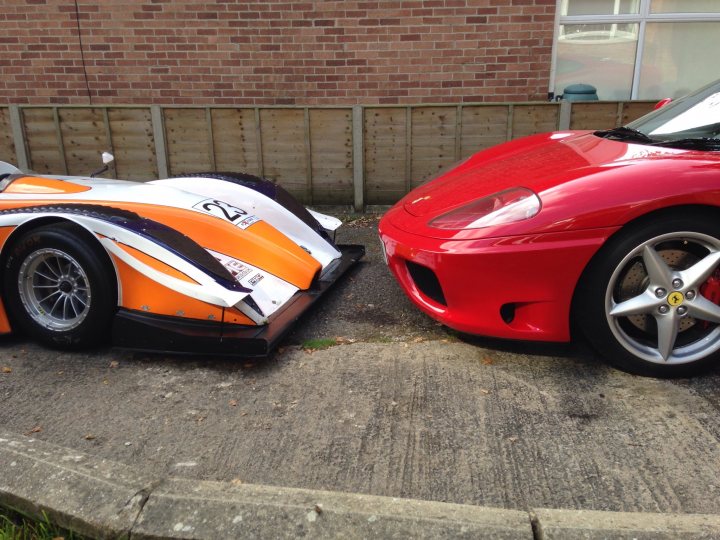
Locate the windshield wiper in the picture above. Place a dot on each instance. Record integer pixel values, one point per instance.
(624, 134)
(694, 143)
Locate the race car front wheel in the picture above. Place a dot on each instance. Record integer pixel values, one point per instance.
(59, 287)
(650, 300)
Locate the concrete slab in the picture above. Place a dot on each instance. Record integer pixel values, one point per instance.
(102, 499)
(588, 525)
(91, 496)
(191, 509)
(432, 420)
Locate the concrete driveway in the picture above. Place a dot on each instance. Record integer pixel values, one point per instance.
(399, 407)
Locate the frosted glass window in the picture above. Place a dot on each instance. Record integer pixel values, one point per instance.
(602, 55)
(599, 7)
(685, 6)
(670, 65)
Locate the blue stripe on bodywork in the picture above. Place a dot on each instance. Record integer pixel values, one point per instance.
(162, 235)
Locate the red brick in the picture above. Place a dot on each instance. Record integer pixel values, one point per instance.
(276, 52)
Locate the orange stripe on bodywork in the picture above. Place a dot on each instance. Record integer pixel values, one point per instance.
(141, 293)
(154, 263)
(4, 322)
(261, 244)
(34, 185)
(4, 233)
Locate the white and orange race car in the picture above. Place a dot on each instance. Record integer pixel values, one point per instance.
(216, 263)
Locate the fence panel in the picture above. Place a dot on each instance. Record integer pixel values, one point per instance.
(482, 126)
(82, 132)
(385, 140)
(531, 119)
(235, 139)
(434, 133)
(632, 110)
(44, 143)
(309, 151)
(187, 136)
(132, 143)
(594, 115)
(7, 144)
(331, 155)
(284, 153)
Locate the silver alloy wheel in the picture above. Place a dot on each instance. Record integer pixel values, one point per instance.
(654, 303)
(54, 289)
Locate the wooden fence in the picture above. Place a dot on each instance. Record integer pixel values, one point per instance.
(358, 156)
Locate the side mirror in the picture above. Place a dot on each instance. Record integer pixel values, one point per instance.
(107, 159)
(662, 103)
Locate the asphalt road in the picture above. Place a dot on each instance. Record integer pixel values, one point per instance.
(399, 407)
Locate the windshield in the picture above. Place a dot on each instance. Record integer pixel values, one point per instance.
(695, 116)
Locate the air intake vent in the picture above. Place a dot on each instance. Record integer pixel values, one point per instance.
(426, 280)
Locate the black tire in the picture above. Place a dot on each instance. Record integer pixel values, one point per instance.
(648, 301)
(59, 287)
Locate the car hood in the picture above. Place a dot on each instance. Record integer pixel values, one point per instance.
(538, 163)
(583, 181)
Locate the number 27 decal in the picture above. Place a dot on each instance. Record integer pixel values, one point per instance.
(233, 214)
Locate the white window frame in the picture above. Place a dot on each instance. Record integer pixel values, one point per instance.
(641, 18)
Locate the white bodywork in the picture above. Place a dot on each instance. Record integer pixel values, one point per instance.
(239, 205)
(206, 289)
(257, 204)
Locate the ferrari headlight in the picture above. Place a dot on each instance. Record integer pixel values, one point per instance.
(514, 204)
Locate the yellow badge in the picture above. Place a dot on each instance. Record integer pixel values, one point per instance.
(675, 299)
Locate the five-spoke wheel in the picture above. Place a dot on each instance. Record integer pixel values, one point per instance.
(650, 299)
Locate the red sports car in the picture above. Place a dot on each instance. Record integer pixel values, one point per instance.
(615, 233)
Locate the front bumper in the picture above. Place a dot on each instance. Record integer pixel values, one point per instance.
(517, 287)
(141, 331)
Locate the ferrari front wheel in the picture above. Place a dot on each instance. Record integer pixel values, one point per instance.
(59, 288)
(650, 301)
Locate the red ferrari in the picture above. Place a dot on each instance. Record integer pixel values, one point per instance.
(614, 233)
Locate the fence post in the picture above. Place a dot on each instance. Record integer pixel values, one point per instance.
(358, 158)
(308, 157)
(60, 141)
(619, 115)
(18, 133)
(258, 143)
(565, 115)
(408, 149)
(510, 122)
(159, 136)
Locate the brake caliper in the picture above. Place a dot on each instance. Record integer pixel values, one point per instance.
(711, 290)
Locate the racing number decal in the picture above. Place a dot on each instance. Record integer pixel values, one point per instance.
(223, 210)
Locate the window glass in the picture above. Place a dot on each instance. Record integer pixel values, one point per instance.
(599, 7)
(695, 115)
(685, 6)
(602, 55)
(671, 65)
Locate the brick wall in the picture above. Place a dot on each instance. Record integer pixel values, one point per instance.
(229, 52)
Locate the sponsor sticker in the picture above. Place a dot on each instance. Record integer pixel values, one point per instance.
(228, 212)
(236, 268)
(257, 278)
(246, 222)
